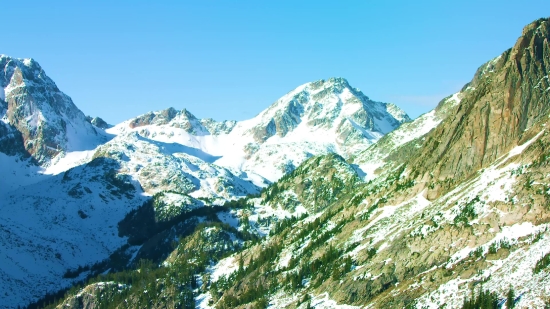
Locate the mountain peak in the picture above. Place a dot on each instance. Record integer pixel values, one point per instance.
(158, 118)
(333, 106)
(338, 82)
(534, 42)
(98, 122)
(541, 24)
(48, 121)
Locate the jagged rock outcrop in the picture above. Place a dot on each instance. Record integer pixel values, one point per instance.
(98, 122)
(183, 120)
(11, 140)
(216, 128)
(162, 117)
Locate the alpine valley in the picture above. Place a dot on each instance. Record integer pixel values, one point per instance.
(326, 199)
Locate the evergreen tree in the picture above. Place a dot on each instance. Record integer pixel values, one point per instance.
(510, 298)
(241, 263)
(483, 300)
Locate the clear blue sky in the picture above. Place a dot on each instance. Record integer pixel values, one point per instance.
(232, 59)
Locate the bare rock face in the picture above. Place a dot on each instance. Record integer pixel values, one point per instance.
(11, 141)
(35, 108)
(89, 297)
(507, 96)
(162, 117)
(216, 128)
(98, 122)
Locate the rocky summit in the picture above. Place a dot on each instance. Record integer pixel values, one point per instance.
(33, 107)
(326, 199)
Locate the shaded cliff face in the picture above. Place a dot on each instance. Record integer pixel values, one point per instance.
(11, 141)
(37, 112)
(507, 96)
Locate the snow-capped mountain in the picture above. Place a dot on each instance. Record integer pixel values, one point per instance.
(316, 118)
(69, 175)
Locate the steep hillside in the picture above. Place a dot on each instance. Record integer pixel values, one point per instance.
(509, 97)
(313, 186)
(395, 146)
(61, 223)
(204, 252)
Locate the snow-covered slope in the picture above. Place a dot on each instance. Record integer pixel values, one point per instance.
(167, 166)
(60, 223)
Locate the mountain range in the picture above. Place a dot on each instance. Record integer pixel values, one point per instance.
(71, 176)
(326, 199)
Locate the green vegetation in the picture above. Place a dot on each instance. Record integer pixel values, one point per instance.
(542, 263)
(510, 298)
(251, 284)
(467, 212)
(366, 216)
(315, 184)
(252, 293)
(477, 252)
(494, 247)
(149, 284)
(482, 300)
(279, 226)
(241, 203)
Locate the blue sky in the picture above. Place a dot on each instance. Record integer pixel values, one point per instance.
(232, 59)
